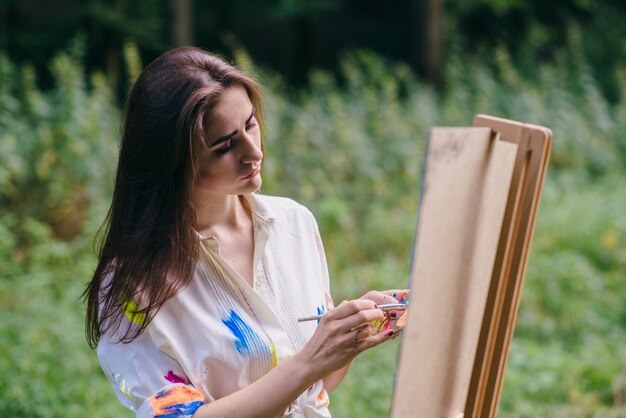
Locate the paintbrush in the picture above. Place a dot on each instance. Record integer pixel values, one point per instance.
(384, 307)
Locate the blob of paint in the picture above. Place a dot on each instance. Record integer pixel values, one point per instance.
(174, 378)
(176, 402)
(242, 331)
(133, 312)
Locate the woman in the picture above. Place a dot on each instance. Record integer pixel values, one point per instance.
(195, 301)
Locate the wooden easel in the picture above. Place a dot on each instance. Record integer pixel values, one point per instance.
(479, 200)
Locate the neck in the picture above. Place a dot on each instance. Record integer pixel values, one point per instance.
(220, 213)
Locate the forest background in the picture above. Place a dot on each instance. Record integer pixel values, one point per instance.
(351, 89)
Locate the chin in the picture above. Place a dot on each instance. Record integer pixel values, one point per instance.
(253, 186)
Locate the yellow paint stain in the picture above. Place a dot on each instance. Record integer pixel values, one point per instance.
(133, 312)
(273, 354)
(124, 386)
(376, 326)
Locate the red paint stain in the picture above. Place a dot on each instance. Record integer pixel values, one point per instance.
(174, 378)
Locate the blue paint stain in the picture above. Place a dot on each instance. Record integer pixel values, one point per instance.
(321, 310)
(181, 410)
(242, 331)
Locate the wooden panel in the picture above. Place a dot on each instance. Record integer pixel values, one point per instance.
(465, 186)
(508, 276)
(480, 195)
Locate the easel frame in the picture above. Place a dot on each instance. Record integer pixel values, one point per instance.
(485, 323)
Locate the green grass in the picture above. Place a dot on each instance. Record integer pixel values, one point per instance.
(350, 148)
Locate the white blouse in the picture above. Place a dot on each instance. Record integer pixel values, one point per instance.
(219, 334)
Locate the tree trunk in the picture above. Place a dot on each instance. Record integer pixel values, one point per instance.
(182, 33)
(305, 48)
(426, 24)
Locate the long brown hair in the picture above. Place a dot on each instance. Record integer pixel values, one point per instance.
(148, 244)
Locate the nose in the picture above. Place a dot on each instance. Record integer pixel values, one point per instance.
(252, 152)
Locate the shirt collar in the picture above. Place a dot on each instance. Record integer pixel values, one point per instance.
(260, 209)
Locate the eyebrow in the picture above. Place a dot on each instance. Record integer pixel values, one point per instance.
(233, 133)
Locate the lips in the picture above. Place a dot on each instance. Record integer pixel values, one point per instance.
(253, 173)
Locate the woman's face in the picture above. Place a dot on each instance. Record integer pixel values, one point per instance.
(231, 165)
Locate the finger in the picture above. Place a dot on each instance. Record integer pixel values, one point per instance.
(362, 332)
(362, 318)
(378, 297)
(399, 294)
(351, 307)
(373, 340)
(396, 313)
(349, 340)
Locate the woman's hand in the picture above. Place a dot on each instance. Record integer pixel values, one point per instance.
(394, 319)
(342, 334)
(387, 296)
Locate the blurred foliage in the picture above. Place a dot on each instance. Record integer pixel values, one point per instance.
(350, 148)
(535, 31)
(34, 30)
(532, 30)
(53, 143)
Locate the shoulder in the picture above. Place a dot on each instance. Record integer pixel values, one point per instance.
(284, 213)
(278, 202)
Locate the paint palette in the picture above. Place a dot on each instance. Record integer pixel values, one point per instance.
(396, 324)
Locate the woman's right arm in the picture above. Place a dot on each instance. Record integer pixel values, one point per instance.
(334, 344)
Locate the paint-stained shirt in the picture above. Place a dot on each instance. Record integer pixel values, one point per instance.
(219, 334)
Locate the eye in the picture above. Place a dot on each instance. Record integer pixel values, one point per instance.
(226, 146)
(252, 124)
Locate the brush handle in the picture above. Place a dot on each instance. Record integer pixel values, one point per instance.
(384, 307)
